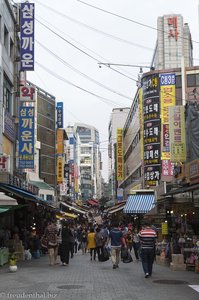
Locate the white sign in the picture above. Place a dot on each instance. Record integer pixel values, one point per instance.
(27, 93)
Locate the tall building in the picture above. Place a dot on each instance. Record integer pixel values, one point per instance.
(88, 159)
(173, 43)
(9, 74)
(146, 162)
(117, 120)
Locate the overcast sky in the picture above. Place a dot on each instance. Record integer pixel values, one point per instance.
(77, 37)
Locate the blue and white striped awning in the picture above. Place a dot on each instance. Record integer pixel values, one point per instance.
(139, 204)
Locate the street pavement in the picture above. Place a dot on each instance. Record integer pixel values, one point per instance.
(92, 280)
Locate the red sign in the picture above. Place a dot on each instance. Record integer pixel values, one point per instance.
(173, 27)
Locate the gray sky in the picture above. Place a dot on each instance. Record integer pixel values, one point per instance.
(85, 36)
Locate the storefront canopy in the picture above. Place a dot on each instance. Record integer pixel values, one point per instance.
(23, 194)
(6, 200)
(92, 202)
(119, 208)
(70, 207)
(139, 204)
(9, 208)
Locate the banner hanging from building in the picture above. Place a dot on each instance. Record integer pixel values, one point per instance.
(167, 99)
(177, 133)
(26, 137)
(152, 126)
(119, 155)
(60, 115)
(27, 16)
(60, 169)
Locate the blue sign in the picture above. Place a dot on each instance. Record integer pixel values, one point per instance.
(27, 15)
(167, 79)
(26, 137)
(60, 115)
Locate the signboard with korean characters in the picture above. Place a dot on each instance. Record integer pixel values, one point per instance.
(27, 93)
(27, 36)
(151, 129)
(26, 137)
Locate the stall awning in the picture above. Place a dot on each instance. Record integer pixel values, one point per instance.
(9, 208)
(117, 209)
(139, 204)
(23, 194)
(63, 214)
(92, 202)
(70, 207)
(6, 200)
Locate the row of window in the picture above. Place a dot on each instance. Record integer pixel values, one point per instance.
(134, 177)
(132, 113)
(132, 146)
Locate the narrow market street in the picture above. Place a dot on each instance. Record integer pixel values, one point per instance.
(93, 280)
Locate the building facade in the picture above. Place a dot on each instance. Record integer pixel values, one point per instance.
(173, 43)
(117, 120)
(88, 159)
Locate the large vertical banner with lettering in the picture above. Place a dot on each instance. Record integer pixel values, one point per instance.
(177, 133)
(26, 137)
(119, 155)
(27, 15)
(167, 99)
(151, 120)
(60, 116)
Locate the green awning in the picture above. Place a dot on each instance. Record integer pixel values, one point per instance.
(8, 208)
(42, 185)
(3, 210)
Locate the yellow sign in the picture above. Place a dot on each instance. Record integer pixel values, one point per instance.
(167, 99)
(60, 169)
(60, 141)
(164, 228)
(119, 155)
(177, 133)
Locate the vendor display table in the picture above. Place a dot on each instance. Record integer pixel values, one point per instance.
(4, 254)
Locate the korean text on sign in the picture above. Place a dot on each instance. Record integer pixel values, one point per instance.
(27, 36)
(26, 137)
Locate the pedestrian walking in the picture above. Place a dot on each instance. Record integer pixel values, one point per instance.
(91, 244)
(51, 233)
(83, 241)
(136, 244)
(117, 241)
(66, 235)
(99, 239)
(147, 238)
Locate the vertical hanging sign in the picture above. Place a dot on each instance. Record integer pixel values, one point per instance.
(27, 15)
(59, 114)
(119, 152)
(26, 137)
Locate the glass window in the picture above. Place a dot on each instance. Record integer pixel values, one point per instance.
(191, 80)
(178, 82)
(7, 95)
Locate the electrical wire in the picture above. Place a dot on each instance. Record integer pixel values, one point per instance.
(132, 21)
(80, 73)
(105, 100)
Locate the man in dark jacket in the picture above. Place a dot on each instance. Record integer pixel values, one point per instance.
(117, 240)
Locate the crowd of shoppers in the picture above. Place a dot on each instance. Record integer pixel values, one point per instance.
(67, 239)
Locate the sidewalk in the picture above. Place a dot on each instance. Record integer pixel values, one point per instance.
(93, 280)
